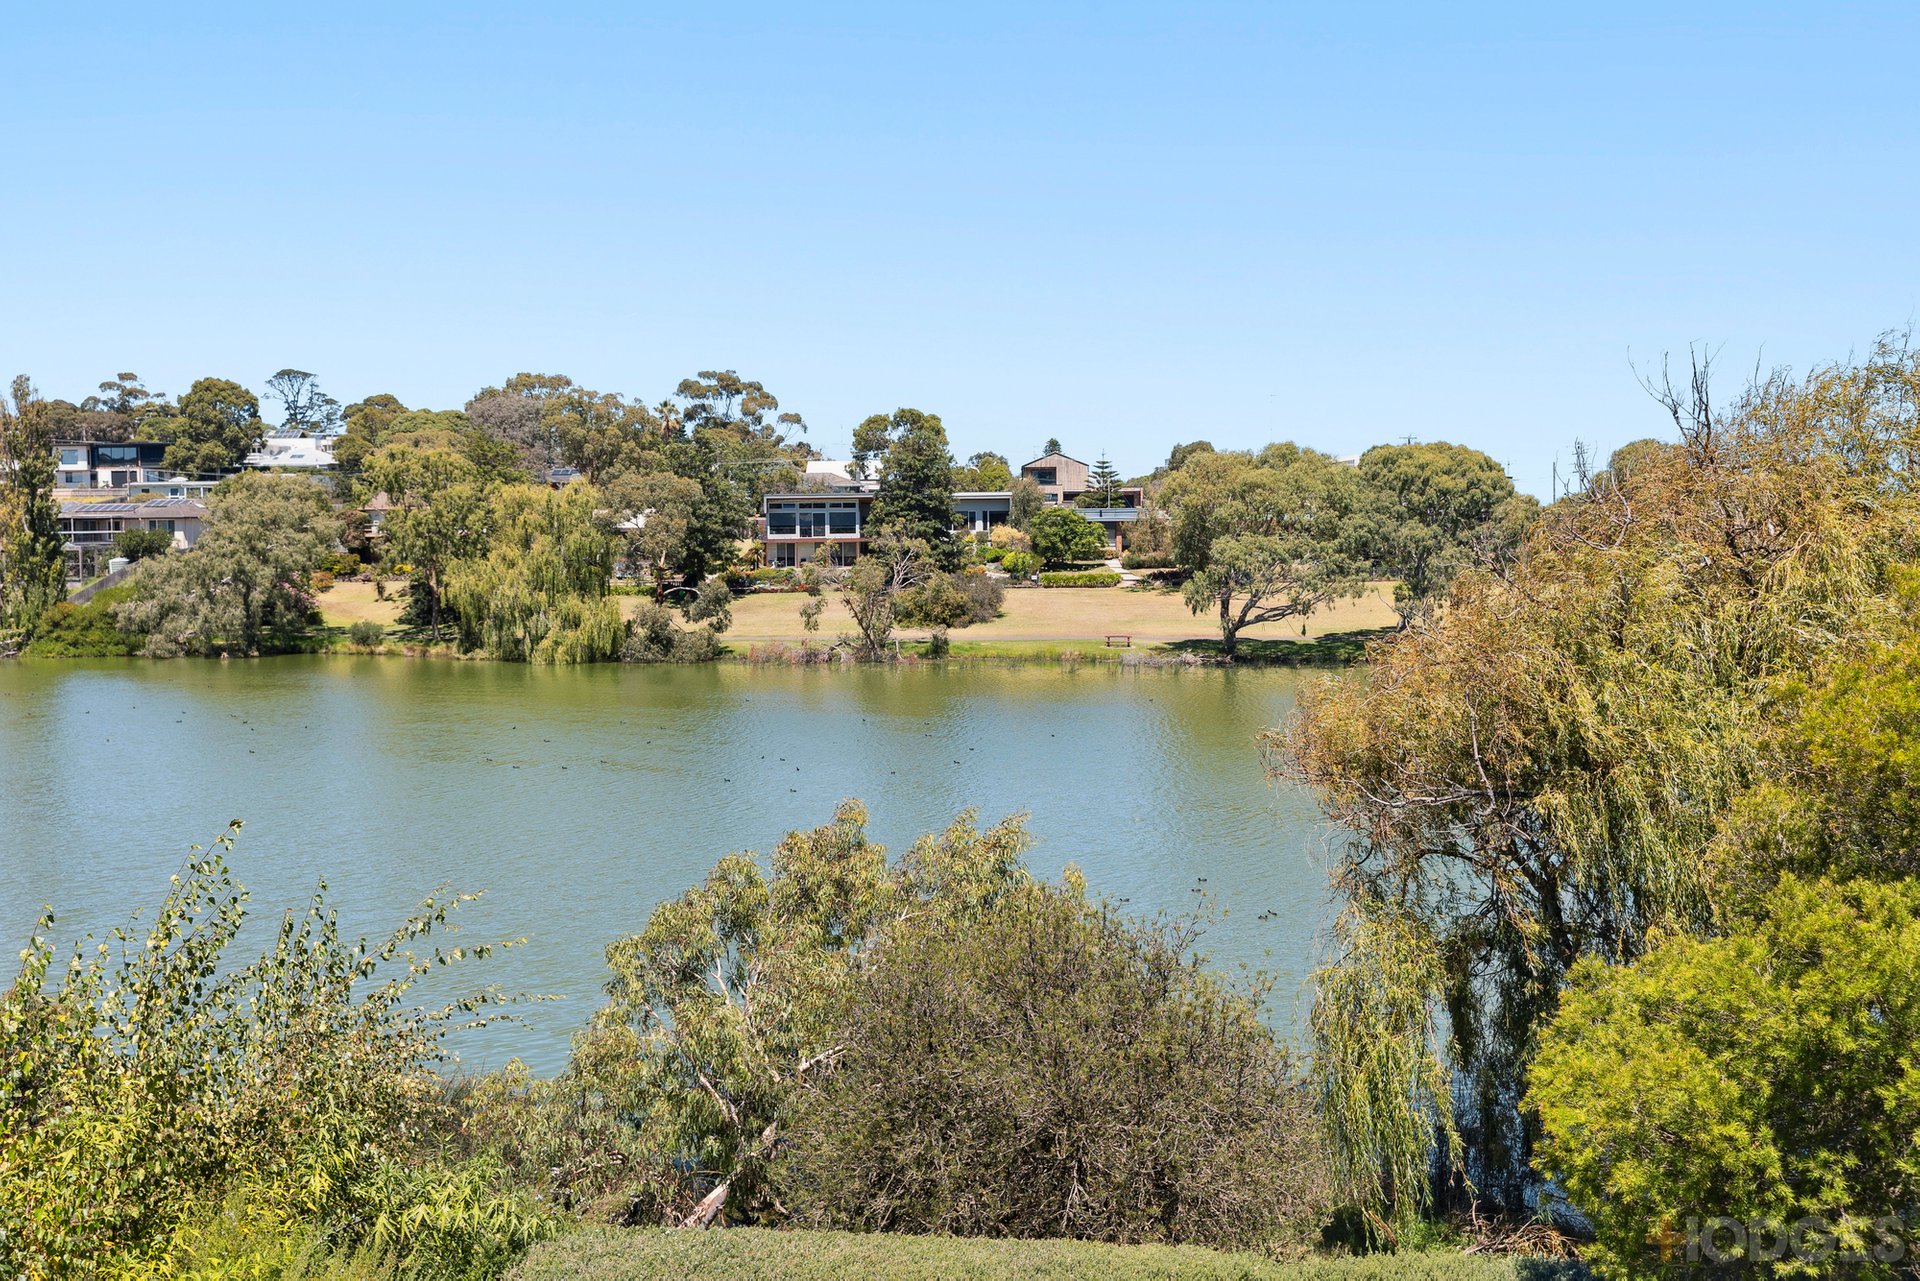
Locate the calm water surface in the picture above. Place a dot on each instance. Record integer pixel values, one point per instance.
(579, 798)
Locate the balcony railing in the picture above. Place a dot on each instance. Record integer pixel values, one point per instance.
(1110, 513)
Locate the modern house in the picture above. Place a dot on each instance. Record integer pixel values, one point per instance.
(292, 451)
(1063, 479)
(103, 464)
(827, 516)
(87, 530)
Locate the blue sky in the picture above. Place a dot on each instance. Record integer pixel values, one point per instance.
(1120, 225)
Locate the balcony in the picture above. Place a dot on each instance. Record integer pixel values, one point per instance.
(1108, 515)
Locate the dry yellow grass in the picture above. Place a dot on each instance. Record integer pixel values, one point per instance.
(1067, 614)
(345, 604)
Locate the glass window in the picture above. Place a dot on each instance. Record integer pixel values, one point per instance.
(780, 522)
(841, 522)
(70, 458)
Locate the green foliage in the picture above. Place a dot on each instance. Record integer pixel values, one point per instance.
(1535, 773)
(1061, 534)
(218, 424)
(1081, 578)
(726, 1006)
(1764, 1075)
(1837, 798)
(760, 1254)
(1025, 501)
(540, 593)
(441, 514)
(32, 569)
(153, 1076)
(245, 585)
(877, 582)
(950, 600)
(1021, 565)
(1264, 578)
(1042, 1067)
(366, 633)
(1432, 511)
(85, 631)
(1147, 560)
(915, 501)
(1103, 484)
(138, 544)
(655, 638)
(985, 473)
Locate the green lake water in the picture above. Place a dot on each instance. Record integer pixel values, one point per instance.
(579, 798)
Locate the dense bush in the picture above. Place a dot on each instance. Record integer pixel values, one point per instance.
(1022, 565)
(1005, 538)
(138, 544)
(1764, 1075)
(1081, 578)
(85, 631)
(1147, 560)
(951, 600)
(724, 1008)
(937, 602)
(144, 1086)
(758, 1254)
(366, 633)
(1047, 1068)
(1063, 534)
(655, 637)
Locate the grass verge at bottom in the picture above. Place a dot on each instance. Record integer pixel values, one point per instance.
(758, 1254)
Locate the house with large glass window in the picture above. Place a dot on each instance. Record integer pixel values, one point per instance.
(105, 464)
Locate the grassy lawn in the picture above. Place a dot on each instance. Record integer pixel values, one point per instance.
(1036, 623)
(1044, 621)
(759, 1254)
(345, 604)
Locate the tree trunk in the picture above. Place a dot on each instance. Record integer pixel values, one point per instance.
(1229, 631)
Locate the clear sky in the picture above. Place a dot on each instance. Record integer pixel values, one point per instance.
(1122, 225)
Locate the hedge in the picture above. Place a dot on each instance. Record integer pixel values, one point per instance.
(1083, 578)
(1147, 560)
(762, 1254)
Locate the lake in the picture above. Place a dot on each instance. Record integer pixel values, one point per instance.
(578, 798)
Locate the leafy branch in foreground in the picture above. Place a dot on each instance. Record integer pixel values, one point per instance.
(155, 1079)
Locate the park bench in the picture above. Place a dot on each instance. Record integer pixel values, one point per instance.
(1119, 641)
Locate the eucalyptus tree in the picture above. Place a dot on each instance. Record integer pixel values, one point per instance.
(218, 424)
(1433, 511)
(32, 569)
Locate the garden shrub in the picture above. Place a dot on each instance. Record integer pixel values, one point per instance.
(366, 633)
(1022, 565)
(1047, 1068)
(1147, 560)
(1081, 578)
(1005, 538)
(143, 1084)
(320, 581)
(1765, 1076)
(938, 646)
(67, 630)
(138, 544)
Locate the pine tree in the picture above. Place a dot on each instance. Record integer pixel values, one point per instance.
(1104, 482)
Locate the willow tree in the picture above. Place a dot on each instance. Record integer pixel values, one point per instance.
(540, 593)
(1535, 774)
